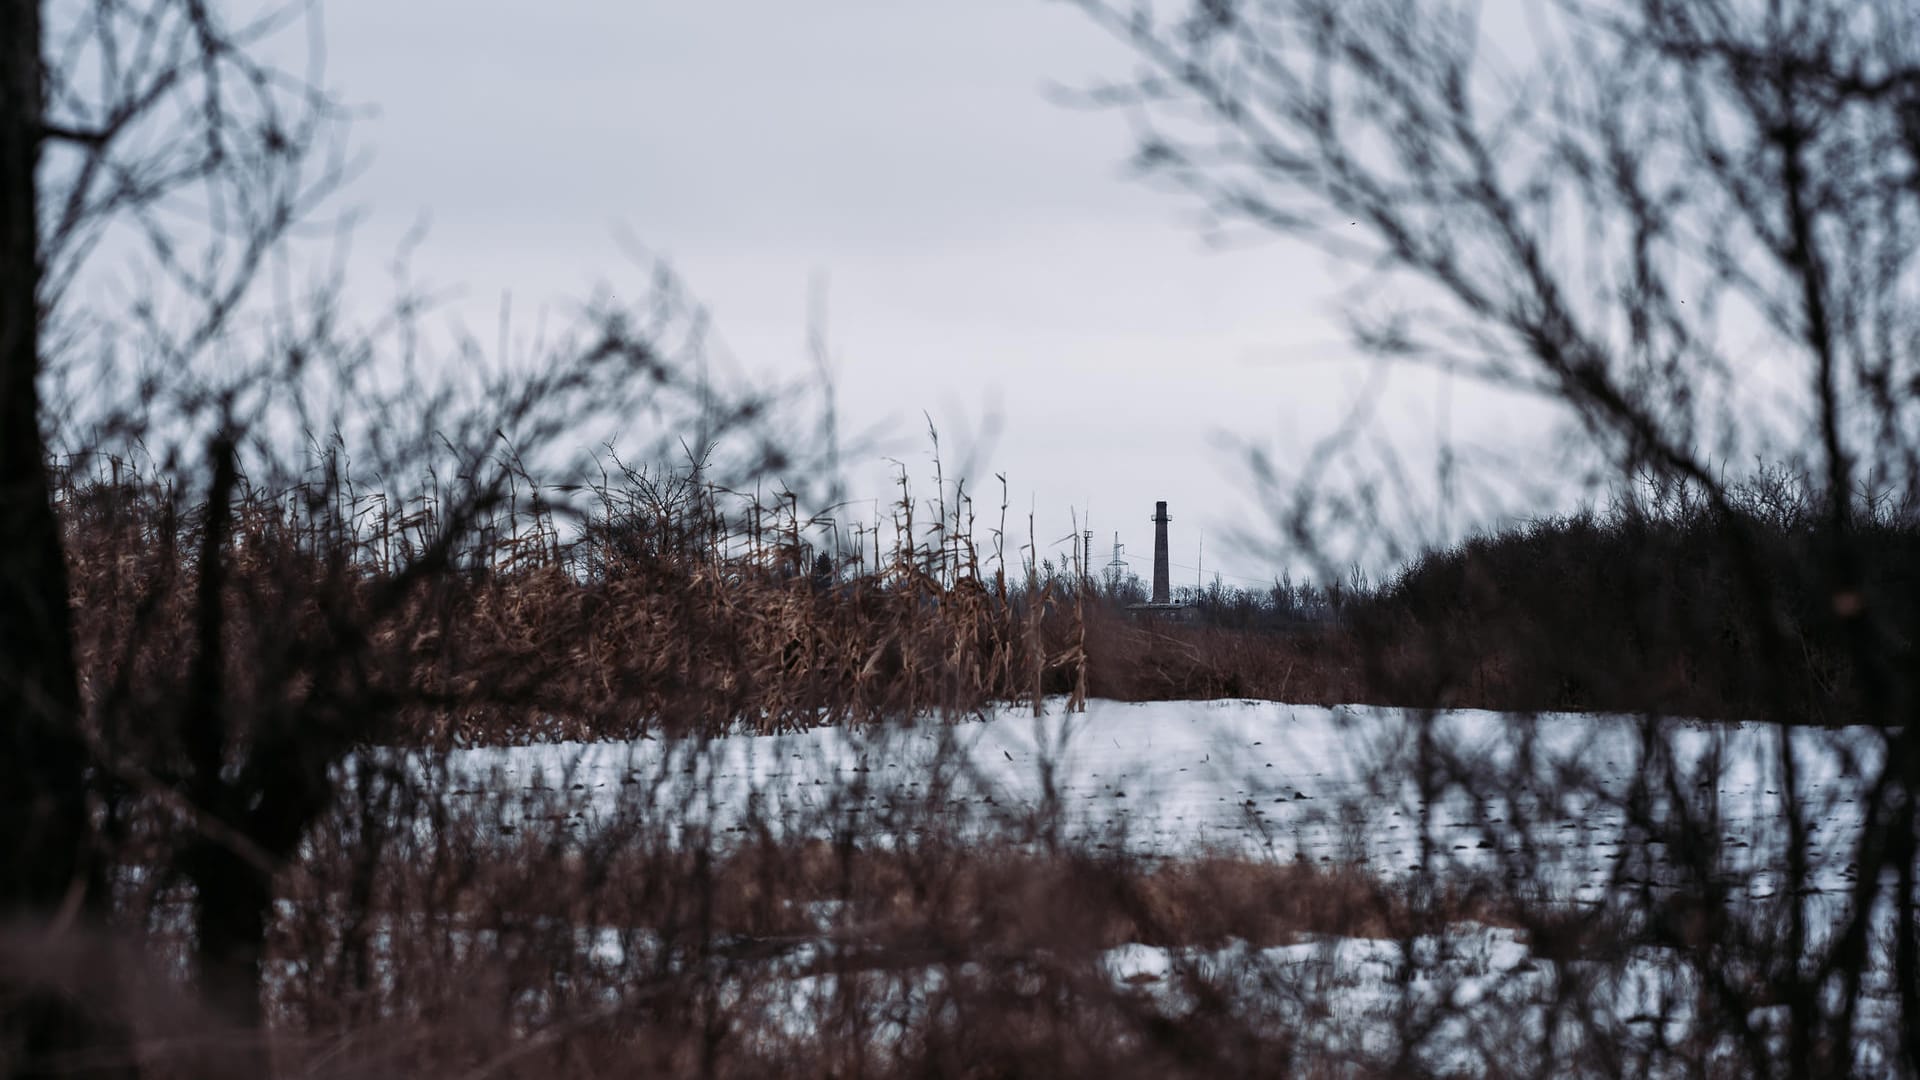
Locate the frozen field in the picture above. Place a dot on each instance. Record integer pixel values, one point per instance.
(1544, 802)
(1266, 779)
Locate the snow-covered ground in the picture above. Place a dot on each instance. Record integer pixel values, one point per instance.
(1267, 779)
(1544, 798)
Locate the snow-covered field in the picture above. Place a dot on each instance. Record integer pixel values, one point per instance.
(1545, 799)
(1262, 778)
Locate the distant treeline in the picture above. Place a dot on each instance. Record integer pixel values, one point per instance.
(1282, 606)
(1744, 606)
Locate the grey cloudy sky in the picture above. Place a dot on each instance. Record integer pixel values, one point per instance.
(984, 249)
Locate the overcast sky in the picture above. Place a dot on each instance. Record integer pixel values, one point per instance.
(983, 248)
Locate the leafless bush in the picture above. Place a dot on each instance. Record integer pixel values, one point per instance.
(1640, 212)
(261, 683)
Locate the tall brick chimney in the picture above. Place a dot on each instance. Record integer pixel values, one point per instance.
(1162, 589)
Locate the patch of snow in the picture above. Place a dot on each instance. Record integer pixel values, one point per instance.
(1325, 785)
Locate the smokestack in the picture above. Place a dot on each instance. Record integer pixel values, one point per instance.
(1162, 588)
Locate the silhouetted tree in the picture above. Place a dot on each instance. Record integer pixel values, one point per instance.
(1643, 211)
(156, 137)
(47, 860)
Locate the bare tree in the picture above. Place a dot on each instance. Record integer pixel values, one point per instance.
(44, 863)
(150, 132)
(155, 140)
(1692, 224)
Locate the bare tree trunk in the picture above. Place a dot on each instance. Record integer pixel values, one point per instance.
(47, 866)
(234, 893)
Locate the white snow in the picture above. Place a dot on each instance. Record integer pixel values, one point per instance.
(1274, 781)
(1262, 778)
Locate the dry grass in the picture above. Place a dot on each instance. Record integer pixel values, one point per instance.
(768, 896)
(1130, 659)
(412, 934)
(417, 937)
(821, 958)
(688, 610)
(672, 606)
(409, 932)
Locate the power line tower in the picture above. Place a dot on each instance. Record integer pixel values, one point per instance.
(1117, 569)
